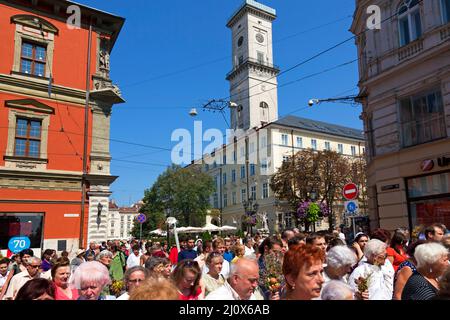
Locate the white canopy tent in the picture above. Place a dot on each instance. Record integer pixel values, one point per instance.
(159, 232)
(227, 228)
(210, 227)
(189, 229)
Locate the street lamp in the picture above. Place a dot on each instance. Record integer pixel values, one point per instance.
(354, 99)
(99, 213)
(251, 210)
(216, 105)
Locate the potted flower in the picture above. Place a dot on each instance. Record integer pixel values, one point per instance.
(310, 212)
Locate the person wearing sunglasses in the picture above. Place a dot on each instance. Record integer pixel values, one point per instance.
(133, 278)
(373, 279)
(32, 265)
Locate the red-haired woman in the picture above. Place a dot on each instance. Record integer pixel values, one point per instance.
(302, 269)
(187, 276)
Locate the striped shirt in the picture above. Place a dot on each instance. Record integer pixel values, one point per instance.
(418, 288)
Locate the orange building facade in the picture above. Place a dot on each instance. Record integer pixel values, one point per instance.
(47, 151)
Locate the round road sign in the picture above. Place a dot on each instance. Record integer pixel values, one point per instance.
(350, 191)
(141, 218)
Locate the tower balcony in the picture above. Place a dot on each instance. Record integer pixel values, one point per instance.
(256, 64)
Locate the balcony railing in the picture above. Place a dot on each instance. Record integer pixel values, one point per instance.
(423, 130)
(445, 33)
(254, 62)
(410, 49)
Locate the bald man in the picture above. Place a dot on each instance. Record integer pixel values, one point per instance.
(242, 283)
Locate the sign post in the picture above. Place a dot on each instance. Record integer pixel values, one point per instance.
(141, 218)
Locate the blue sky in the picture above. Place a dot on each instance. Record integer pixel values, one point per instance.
(173, 55)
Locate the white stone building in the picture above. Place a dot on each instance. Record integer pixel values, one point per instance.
(120, 220)
(260, 135)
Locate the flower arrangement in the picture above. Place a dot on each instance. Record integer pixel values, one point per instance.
(249, 220)
(363, 283)
(311, 211)
(273, 274)
(116, 287)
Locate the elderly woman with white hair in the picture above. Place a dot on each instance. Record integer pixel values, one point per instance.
(339, 263)
(432, 262)
(337, 290)
(89, 279)
(373, 279)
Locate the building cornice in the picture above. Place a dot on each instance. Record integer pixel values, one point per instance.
(253, 65)
(255, 8)
(36, 87)
(283, 126)
(100, 179)
(27, 174)
(57, 9)
(39, 201)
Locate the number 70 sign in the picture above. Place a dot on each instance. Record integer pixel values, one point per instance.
(17, 244)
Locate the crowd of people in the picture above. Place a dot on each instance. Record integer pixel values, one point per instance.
(293, 265)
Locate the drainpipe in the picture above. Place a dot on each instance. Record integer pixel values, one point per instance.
(85, 143)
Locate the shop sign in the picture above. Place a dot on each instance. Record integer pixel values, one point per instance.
(443, 162)
(390, 187)
(427, 165)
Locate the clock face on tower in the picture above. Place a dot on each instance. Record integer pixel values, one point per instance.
(259, 38)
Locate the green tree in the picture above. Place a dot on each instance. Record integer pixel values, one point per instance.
(184, 192)
(325, 172)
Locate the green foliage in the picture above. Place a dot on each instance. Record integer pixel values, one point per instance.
(313, 212)
(240, 233)
(206, 236)
(325, 172)
(184, 191)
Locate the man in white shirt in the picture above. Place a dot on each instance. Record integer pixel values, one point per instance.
(241, 284)
(377, 270)
(248, 243)
(134, 259)
(32, 264)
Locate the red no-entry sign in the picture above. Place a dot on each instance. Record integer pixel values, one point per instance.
(350, 191)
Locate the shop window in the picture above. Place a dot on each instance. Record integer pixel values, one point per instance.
(21, 225)
(429, 199)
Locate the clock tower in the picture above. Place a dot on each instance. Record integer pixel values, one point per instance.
(253, 82)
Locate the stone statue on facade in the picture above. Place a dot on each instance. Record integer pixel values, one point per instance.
(104, 59)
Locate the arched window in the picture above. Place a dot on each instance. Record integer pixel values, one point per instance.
(409, 21)
(264, 111)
